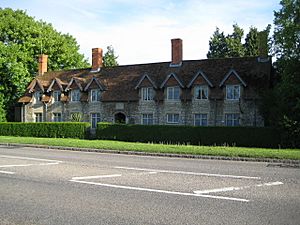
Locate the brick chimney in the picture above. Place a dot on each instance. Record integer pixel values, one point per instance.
(96, 59)
(176, 52)
(43, 60)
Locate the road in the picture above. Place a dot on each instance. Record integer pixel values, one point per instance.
(43, 186)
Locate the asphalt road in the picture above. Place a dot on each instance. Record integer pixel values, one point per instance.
(41, 187)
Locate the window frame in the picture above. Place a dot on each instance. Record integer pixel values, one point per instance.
(146, 120)
(78, 94)
(56, 96)
(38, 95)
(38, 117)
(201, 89)
(234, 121)
(231, 93)
(95, 97)
(147, 93)
(57, 117)
(95, 119)
(172, 116)
(171, 93)
(201, 119)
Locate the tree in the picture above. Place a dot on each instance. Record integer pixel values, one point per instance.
(22, 39)
(234, 42)
(109, 59)
(217, 45)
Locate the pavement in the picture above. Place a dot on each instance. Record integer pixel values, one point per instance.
(49, 186)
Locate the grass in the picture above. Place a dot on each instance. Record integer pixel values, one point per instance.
(159, 148)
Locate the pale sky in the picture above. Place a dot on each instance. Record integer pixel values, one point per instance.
(141, 30)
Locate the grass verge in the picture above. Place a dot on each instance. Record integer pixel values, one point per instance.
(159, 148)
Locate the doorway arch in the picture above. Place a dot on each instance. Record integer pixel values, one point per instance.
(120, 118)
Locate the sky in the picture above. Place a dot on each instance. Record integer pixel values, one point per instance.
(140, 31)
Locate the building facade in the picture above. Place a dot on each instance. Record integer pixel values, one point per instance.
(209, 92)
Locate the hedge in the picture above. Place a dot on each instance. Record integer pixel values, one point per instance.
(51, 129)
(232, 136)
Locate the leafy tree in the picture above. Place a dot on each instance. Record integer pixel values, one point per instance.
(217, 45)
(22, 39)
(110, 59)
(234, 42)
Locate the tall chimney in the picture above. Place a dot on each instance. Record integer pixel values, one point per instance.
(43, 60)
(96, 59)
(176, 52)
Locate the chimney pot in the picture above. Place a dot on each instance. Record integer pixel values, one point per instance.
(42, 67)
(176, 52)
(97, 59)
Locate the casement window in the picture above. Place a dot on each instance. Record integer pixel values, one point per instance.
(201, 92)
(200, 119)
(173, 118)
(147, 119)
(38, 96)
(95, 118)
(173, 93)
(232, 119)
(232, 92)
(147, 93)
(56, 96)
(75, 95)
(95, 95)
(38, 117)
(57, 117)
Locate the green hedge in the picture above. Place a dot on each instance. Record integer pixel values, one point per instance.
(232, 136)
(51, 130)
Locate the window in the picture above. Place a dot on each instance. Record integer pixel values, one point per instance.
(173, 93)
(38, 117)
(232, 119)
(57, 117)
(56, 96)
(95, 95)
(147, 119)
(75, 95)
(172, 118)
(147, 93)
(38, 96)
(232, 92)
(201, 92)
(95, 118)
(201, 119)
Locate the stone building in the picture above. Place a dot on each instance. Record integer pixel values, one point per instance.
(208, 92)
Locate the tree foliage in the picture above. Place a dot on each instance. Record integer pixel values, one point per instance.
(22, 39)
(110, 59)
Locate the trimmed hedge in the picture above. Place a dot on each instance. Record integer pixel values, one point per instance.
(51, 130)
(232, 136)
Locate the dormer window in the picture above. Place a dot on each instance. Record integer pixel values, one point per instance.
(233, 92)
(173, 93)
(95, 95)
(56, 96)
(75, 95)
(38, 96)
(201, 92)
(147, 93)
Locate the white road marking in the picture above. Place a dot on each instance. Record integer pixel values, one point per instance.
(24, 165)
(6, 172)
(160, 191)
(237, 188)
(28, 158)
(95, 177)
(188, 173)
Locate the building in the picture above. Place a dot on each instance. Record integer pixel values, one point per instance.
(209, 92)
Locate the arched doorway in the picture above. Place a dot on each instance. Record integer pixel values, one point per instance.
(120, 118)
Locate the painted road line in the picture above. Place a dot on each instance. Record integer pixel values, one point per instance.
(6, 172)
(160, 191)
(95, 177)
(24, 165)
(28, 158)
(237, 188)
(189, 173)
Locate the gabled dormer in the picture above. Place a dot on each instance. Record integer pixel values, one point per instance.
(56, 87)
(94, 89)
(200, 86)
(75, 89)
(146, 87)
(233, 84)
(37, 91)
(172, 86)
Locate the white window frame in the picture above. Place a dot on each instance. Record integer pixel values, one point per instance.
(95, 118)
(233, 92)
(173, 118)
(38, 95)
(232, 119)
(147, 93)
(173, 93)
(75, 95)
(147, 119)
(57, 117)
(201, 119)
(95, 95)
(201, 92)
(56, 96)
(38, 117)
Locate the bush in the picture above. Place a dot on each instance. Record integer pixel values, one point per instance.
(232, 136)
(51, 130)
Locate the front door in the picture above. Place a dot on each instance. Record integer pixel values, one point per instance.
(120, 118)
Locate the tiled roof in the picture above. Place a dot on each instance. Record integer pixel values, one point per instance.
(120, 83)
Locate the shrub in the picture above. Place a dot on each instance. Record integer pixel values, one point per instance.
(232, 136)
(51, 129)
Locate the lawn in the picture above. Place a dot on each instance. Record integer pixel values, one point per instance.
(159, 148)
